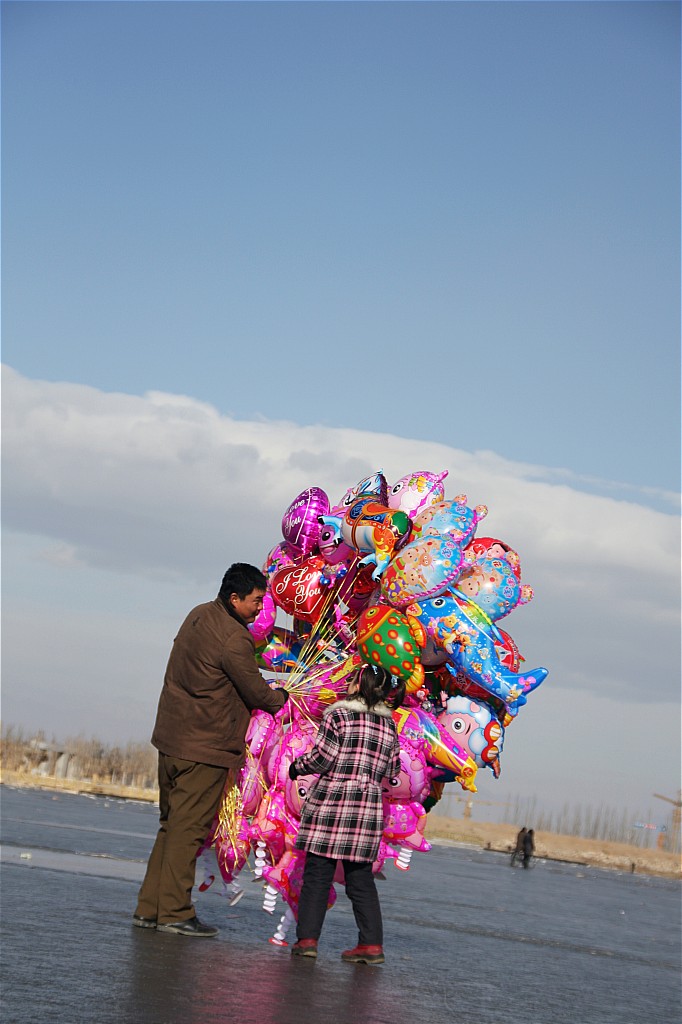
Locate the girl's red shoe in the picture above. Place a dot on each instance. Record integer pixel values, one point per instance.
(364, 955)
(304, 947)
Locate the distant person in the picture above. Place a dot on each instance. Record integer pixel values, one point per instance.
(528, 847)
(518, 849)
(211, 686)
(342, 818)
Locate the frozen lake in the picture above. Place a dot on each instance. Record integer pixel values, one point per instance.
(468, 940)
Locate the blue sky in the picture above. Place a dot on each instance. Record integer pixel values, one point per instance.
(257, 203)
(448, 229)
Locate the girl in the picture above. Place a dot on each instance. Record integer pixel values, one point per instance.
(342, 817)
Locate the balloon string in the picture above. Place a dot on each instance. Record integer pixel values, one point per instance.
(314, 659)
(230, 813)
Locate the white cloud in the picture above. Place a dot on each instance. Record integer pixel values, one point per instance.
(161, 491)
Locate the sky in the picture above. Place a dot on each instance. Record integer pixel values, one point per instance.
(250, 248)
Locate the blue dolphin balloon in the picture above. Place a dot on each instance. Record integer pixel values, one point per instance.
(467, 634)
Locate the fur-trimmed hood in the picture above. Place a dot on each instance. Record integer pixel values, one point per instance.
(358, 704)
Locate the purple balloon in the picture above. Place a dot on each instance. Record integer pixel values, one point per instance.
(300, 527)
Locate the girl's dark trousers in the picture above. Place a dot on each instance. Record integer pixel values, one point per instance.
(360, 889)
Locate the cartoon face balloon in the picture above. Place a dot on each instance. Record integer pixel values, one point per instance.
(416, 491)
(300, 526)
(295, 792)
(476, 728)
(368, 525)
(332, 546)
(421, 569)
(490, 547)
(450, 517)
(493, 585)
(374, 484)
(404, 824)
(440, 748)
(297, 741)
(414, 779)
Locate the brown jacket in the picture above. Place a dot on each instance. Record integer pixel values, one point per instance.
(210, 688)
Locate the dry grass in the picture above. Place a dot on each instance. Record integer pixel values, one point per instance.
(574, 849)
(27, 780)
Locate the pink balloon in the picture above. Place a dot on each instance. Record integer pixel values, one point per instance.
(232, 851)
(333, 548)
(404, 824)
(264, 624)
(286, 876)
(277, 558)
(416, 491)
(300, 527)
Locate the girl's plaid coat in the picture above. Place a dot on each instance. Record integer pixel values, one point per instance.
(355, 749)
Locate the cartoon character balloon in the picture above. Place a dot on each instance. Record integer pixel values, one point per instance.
(374, 484)
(476, 728)
(423, 568)
(490, 547)
(416, 491)
(493, 584)
(277, 557)
(368, 526)
(467, 634)
(454, 518)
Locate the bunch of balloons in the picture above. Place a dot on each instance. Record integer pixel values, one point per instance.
(395, 577)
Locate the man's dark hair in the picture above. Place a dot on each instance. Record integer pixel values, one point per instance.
(241, 579)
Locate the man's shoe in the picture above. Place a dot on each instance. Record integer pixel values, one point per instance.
(192, 926)
(304, 947)
(364, 955)
(143, 922)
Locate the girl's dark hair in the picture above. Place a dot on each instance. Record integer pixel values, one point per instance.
(377, 686)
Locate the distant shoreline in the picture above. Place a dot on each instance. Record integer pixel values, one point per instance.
(95, 787)
(594, 853)
(496, 837)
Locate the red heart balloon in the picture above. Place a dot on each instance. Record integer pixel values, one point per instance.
(298, 591)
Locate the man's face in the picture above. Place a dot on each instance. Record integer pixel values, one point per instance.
(248, 608)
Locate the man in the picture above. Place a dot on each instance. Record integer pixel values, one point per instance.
(211, 686)
(518, 849)
(528, 847)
